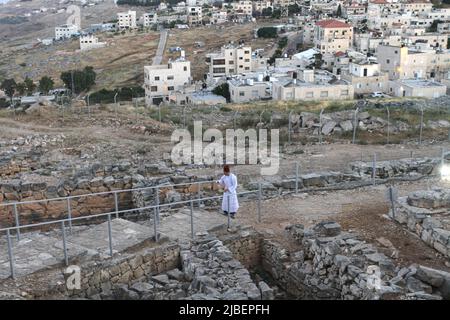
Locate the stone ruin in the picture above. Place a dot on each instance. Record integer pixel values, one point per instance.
(426, 214)
(322, 262)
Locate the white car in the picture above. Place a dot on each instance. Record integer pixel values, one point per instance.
(377, 95)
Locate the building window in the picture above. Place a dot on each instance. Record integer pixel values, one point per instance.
(218, 61)
(156, 78)
(154, 88)
(344, 92)
(231, 62)
(184, 68)
(219, 70)
(241, 93)
(170, 88)
(388, 61)
(247, 68)
(310, 94)
(231, 71)
(169, 77)
(323, 94)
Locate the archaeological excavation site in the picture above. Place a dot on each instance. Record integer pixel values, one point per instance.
(93, 207)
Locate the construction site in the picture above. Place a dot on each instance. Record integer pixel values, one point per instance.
(93, 190)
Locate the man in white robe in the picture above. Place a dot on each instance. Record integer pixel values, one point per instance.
(230, 202)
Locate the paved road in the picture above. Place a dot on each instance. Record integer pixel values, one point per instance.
(161, 46)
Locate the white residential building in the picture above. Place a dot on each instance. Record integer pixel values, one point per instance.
(309, 89)
(230, 61)
(406, 63)
(149, 19)
(90, 42)
(194, 15)
(126, 20)
(164, 80)
(219, 17)
(417, 88)
(244, 8)
(331, 36)
(246, 90)
(366, 77)
(66, 31)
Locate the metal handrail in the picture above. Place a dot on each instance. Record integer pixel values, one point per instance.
(104, 193)
(116, 212)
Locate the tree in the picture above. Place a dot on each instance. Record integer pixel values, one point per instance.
(21, 88)
(339, 11)
(29, 86)
(46, 84)
(266, 12)
(318, 60)
(82, 80)
(433, 27)
(9, 86)
(223, 90)
(267, 32)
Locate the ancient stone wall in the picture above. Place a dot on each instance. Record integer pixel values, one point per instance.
(426, 213)
(100, 278)
(246, 246)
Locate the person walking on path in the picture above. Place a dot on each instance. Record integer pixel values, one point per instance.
(228, 182)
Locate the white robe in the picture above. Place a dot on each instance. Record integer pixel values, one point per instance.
(231, 183)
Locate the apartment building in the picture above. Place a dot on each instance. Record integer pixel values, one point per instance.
(126, 20)
(149, 19)
(90, 42)
(406, 63)
(282, 3)
(219, 17)
(231, 60)
(260, 5)
(442, 14)
(417, 6)
(366, 77)
(163, 80)
(332, 35)
(243, 8)
(354, 11)
(194, 15)
(66, 31)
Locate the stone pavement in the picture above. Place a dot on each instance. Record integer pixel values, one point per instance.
(36, 251)
(178, 225)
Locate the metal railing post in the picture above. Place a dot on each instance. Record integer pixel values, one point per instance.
(259, 201)
(110, 236)
(69, 214)
(320, 126)
(296, 176)
(159, 112)
(116, 204)
(228, 211)
(10, 255)
(157, 203)
(355, 125)
(63, 229)
(421, 125)
(388, 121)
(155, 224)
(289, 127)
(16, 217)
(374, 164)
(199, 201)
(192, 218)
